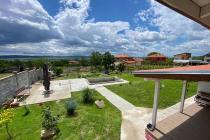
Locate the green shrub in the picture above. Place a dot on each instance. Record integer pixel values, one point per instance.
(58, 71)
(50, 122)
(87, 96)
(71, 106)
(130, 83)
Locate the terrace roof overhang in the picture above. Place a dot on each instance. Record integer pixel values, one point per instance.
(197, 10)
(176, 75)
(189, 73)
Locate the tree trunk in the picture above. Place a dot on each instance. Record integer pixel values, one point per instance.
(7, 128)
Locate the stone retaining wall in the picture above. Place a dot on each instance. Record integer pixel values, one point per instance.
(10, 84)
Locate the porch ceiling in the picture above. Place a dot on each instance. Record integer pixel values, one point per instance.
(197, 10)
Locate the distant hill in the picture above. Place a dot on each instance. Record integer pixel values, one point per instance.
(25, 57)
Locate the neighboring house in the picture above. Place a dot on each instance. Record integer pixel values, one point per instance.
(74, 62)
(127, 60)
(186, 59)
(157, 57)
(182, 56)
(207, 58)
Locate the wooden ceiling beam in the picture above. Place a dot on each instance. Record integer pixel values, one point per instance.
(205, 11)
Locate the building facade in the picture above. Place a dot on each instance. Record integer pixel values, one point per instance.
(182, 56)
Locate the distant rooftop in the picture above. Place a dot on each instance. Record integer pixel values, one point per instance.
(121, 55)
(207, 55)
(182, 53)
(157, 55)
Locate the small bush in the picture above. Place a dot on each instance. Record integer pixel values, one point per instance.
(58, 71)
(130, 83)
(71, 106)
(50, 122)
(87, 96)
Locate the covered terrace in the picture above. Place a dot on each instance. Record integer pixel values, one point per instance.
(188, 123)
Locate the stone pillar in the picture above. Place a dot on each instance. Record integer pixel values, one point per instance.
(15, 74)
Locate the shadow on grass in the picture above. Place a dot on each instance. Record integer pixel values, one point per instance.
(26, 113)
(72, 115)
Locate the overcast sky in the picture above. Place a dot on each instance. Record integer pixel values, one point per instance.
(78, 27)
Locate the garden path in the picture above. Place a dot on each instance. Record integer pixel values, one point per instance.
(116, 100)
(135, 119)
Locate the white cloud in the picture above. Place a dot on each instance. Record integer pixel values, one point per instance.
(182, 33)
(25, 21)
(27, 28)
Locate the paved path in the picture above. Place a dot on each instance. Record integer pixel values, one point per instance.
(116, 100)
(135, 119)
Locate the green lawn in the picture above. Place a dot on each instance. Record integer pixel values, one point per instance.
(90, 122)
(2, 75)
(140, 92)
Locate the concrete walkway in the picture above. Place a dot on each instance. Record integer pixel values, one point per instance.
(116, 100)
(135, 119)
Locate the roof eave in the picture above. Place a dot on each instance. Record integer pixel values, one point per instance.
(175, 76)
(181, 11)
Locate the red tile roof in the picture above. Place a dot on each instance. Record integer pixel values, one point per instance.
(121, 56)
(189, 73)
(130, 62)
(157, 55)
(186, 68)
(138, 59)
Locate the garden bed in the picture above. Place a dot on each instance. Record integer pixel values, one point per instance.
(93, 81)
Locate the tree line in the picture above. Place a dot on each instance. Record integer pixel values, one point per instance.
(98, 61)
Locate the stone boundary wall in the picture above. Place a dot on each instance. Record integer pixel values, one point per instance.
(10, 84)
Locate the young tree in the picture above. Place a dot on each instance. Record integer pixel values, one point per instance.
(112, 67)
(58, 71)
(5, 118)
(50, 122)
(84, 62)
(108, 60)
(121, 67)
(96, 59)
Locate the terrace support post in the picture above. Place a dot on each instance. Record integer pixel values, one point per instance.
(155, 105)
(184, 88)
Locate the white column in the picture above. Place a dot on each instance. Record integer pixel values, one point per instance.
(155, 105)
(184, 88)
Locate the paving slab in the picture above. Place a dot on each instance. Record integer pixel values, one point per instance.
(59, 91)
(116, 100)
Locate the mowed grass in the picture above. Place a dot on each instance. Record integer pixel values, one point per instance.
(2, 75)
(140, 92)
(89, 123)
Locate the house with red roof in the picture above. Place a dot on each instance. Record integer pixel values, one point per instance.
(156, 57)
(127, 60)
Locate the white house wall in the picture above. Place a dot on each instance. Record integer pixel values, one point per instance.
(204, 86)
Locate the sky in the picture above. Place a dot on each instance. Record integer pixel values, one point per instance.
(79, 27)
